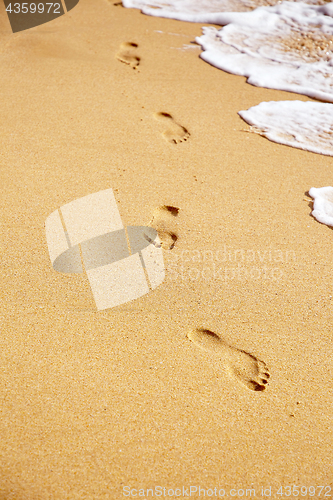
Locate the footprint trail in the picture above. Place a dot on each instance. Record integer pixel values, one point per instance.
(175, 133)
(127, 54)
(249, 370)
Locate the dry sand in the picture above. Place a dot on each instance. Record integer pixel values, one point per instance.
(95, 401)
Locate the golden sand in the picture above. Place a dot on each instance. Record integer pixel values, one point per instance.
(91, 402)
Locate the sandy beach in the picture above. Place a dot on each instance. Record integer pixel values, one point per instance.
(98, 404)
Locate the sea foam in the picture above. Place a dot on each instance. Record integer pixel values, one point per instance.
(285, 47)
(195, 11)
(200, 11)
(323, 204)
(304, 125)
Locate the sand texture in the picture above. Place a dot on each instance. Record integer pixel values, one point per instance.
(221, 376)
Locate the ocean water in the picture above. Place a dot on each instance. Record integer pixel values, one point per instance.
(278, 45)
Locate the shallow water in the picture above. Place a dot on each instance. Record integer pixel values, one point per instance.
(278, 45)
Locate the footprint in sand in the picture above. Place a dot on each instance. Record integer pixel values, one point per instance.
(163, 222)
(127, 54)
(175, 133)
(244, 366)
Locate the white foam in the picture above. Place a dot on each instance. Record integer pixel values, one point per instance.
(195, 11)
(303, 125)
(286, 47)
(323, 204)
(199, 11)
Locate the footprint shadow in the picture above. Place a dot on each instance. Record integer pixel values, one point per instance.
(163, 222)
(128, 54)
(175, 133)
(245, 367)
